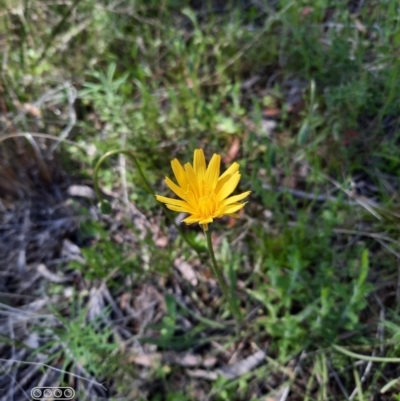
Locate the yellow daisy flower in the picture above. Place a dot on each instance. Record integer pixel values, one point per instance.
(204, 193)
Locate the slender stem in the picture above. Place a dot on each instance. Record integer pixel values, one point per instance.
(214, 267)
(365, 357)
(220, 278)
(148, 187)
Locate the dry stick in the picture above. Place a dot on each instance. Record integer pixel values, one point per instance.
(72, 95)
(362, 202)
(55, 369)
(364, 234)
(41, 135)
(337, 379)
(365, 203)
(38, 103)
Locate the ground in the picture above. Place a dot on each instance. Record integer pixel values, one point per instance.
(107, 293)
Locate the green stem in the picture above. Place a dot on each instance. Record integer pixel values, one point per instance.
(148, 187)
(220, 278)
(364, 357)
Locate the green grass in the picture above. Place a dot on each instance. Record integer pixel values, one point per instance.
(314, 259)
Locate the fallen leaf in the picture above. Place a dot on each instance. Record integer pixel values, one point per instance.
(360, 27)
(32, 110)
(209, 362)
(82, 191)
(233, 151)
(149, 360)
(275, 112)
(71, 251)
(181, 359)
(187, 271)
(48, 275)
(125, 300)
(307, 10)
(162, 242)
(231, 371)
(189, 83)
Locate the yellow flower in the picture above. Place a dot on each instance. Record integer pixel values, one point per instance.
(204, 192)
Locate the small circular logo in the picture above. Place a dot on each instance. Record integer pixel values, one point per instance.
(52, 393)
(68, 393)
(36, 393)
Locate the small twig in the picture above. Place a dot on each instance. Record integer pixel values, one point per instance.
(72, 94)
(55, 369)
(365, 234)
(40, 135)
(48, 275)
(389, 249)
(337, 379)
(365, 203)
(307, 195)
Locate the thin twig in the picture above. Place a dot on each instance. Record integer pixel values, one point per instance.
(72, 94)
(56, 370)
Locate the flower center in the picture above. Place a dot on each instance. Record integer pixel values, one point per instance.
(207, 205)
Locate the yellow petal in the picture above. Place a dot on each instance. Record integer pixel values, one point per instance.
(192, 178)
(221, 183)
(179, 173)
(206, 220)
(177, 209)
(236, 198)
(171, 201)
(199, 163)
(231, 170)
(176, 202)
(212, 172)
(234, 208)
(205, 227)
(191, 220)
(173, 187)
(228, 187)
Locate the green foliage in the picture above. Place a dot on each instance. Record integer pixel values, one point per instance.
(163, 78)
(309, 293)
(82, 343)
(105, 256)
(169, 338)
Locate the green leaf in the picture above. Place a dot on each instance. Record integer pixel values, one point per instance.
(105, 207)
(303, 134)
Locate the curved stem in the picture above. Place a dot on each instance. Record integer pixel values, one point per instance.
(364, 357)
(220, 278)
(148, 187)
